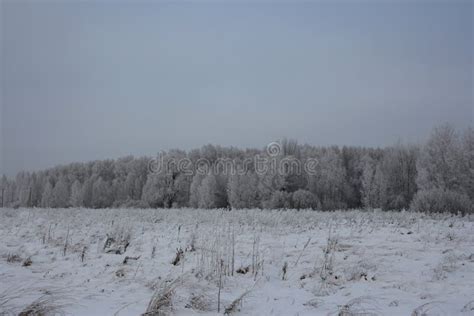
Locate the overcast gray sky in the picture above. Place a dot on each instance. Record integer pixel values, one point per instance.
(84, 80)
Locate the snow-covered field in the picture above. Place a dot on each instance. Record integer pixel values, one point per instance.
(337, 263)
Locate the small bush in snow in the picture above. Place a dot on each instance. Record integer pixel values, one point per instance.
(303, 199)
(280, 200)
(438, 201)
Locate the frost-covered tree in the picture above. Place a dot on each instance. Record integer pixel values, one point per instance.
(47, 198)
(442, 167)
(279, 200)
(9, 193)
(169, 185)
(440, 200)
(207, 192)
(9, 190)
(23, 193)
(130, 186)
(3, 189)
(303, 199)
(468, 162)
(398, 172)
(439, 165)
(194, 190)
(181, 187)
(328, 182)
(119, 191)
(243, 191)
(270, 180)
(87, 192)
(61, 193)
(3, 181)
(351, 160)
(36, 183)
(104, 169)
(158, 191)
(212, 192)
(102, 194)
(371, 182)
(289, 166)
(76, 194)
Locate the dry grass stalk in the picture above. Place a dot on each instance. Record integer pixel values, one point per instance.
(27, 262)
(44, 305)
(178, 257)
(83, 253)
(7, 296)
(220, 287)
(360, 306)
(284, 270)
(66, 242)
(161, 302)
(12, 258)
(125, 260)
(234, 306)
(302, 251)
(469, 307)
(51, 302)
(426, 309)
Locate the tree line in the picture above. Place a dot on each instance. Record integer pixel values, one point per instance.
(437, 176)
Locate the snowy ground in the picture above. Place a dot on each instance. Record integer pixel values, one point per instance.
(356, 262)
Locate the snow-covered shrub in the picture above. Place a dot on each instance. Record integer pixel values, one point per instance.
(118, 239)
(242, 191)
(137, 204)
(13, 258)
(279, 200)
(360, 271)
(448, 264)
(438, 200)
(303, 199)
